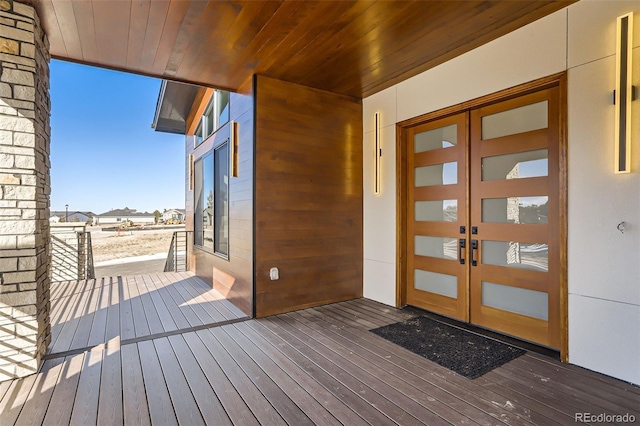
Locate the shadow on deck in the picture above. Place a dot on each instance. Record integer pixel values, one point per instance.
(121, 310)
(133, 362)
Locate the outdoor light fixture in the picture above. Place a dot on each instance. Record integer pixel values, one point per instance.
(377, 155)
(191, 171)
(233, 149)
(623, 94)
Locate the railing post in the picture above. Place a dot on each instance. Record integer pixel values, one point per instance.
(91, 273)
(81, 256)
(179, 246)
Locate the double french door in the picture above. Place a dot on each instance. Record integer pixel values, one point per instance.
(483, 216)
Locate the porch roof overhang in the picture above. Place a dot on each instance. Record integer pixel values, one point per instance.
(174, 103)
(355, 48)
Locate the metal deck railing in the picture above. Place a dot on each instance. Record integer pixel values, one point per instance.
(178, 255)
(71, 256)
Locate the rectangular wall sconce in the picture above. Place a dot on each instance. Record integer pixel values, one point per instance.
(377, 154)
(625, 93)
(191, 169)
(233, 149)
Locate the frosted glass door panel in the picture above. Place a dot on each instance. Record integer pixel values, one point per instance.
(518, 300)
(438, 174)
(518, 120)
(519, 165)
(444, 248)
(443, 137)
(436, 211)
(515, 210)
(513, 254)
(442, 284)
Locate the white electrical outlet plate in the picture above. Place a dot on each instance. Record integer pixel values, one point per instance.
(274, 274)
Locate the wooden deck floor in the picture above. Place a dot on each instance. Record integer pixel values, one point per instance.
(88, 313)
(316, 366)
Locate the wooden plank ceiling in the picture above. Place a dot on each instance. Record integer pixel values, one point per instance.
(355, 48)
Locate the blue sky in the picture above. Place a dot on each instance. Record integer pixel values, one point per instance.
(104, 153)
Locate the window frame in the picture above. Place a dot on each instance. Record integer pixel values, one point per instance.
(210, 119)
(199, 200)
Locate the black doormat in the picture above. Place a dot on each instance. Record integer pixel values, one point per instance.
(464, 352)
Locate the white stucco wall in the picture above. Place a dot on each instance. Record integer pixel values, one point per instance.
(604, 265)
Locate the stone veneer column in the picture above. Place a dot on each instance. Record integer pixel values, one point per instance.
(24, 190)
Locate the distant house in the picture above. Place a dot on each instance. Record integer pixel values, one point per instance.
(117, 216)
(63, 216)
(174, 215)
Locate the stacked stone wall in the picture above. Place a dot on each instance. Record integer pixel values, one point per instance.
(24, 190)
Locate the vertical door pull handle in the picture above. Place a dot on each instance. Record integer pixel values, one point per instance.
(461, 247)
(474, 246)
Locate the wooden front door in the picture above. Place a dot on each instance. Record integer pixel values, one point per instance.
(437, 213)
(484, 217)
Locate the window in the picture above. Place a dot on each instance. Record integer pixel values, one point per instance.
(198, 199)
(216, 115)
(221, 199)
(211, 200)
(199, 134)
(222, 104)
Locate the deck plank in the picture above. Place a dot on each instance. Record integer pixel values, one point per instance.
(336, 381)
(184, 308)
(235, 407)
(381, 311)
(83, 331)
(608, 396)
(556, 411)
(153, 319)
(110, 399)
(286, 408)
(135, 404)
(205, 397)
(112, 330)
(444, 404)
(384, 392)
(195, 303)
(85, 406)
(64, 393)
(587, 401)
(260, 407)
(14, 399)
(184, 405)
(160, 405)
(4, 387)
(209, 297)
(163, 294)
(618, 385)
(140, 323)
(99, 326)
(127, 328)
(336, 406)
(312, 409)
(166, 320)
(37, 402)
(569, 403)
(64, 327)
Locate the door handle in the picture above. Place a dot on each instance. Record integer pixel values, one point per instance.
(474, 246)
(461, 247)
